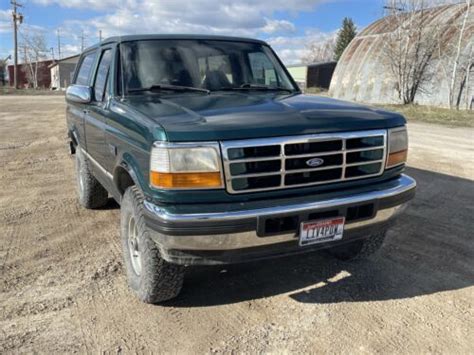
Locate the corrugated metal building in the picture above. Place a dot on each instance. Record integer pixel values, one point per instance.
(361, 74)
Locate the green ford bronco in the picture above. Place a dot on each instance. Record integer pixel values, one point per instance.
(215, 156)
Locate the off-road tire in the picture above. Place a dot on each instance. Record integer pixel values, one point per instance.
(157, 280)
(359, 250)
(91, 193)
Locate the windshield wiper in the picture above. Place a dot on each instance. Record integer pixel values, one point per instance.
(256, 87)
(167, 87)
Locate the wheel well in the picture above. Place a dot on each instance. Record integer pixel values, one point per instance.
(122, 179)
(72, 143)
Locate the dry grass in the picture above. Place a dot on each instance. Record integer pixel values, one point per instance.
(12, 91)
(316, 91)
(461, 118)
(418, 113)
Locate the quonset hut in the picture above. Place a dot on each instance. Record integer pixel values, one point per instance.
(362, 73)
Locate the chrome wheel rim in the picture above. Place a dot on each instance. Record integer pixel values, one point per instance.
(80, 178)
(81, 184)
(133, 246)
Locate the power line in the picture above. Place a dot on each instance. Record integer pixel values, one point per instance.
(394, 8)
(17, 19)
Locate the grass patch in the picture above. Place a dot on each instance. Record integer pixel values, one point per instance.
(316, 91)
(12, 91)
(444, 116)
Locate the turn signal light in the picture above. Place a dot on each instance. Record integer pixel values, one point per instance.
(204, 180)
(397, 158)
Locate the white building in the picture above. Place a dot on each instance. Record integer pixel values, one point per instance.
(62, 71)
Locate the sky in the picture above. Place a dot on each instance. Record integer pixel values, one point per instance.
(289, 26)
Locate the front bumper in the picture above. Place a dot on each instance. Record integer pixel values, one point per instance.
(190, 234)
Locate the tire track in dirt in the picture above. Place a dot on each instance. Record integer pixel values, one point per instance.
(8, 242)
(63, 287)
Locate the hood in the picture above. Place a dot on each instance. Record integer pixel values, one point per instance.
(236, 115)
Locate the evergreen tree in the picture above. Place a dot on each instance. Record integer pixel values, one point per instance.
(347, 32)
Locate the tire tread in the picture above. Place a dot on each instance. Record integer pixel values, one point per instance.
(94, 194)
(159, 281)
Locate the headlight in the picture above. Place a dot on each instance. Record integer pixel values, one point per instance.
(397, 147)
(185, 166)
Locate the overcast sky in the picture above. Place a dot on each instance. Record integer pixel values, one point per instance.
(288, 25)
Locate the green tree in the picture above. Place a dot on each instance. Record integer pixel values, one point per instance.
(347, 32)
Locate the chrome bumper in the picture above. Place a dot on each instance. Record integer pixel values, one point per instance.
(240, 240)
(250, 239)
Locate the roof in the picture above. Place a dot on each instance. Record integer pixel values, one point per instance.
(46, 61)
(144, 37)
(57, 61)
(70, 57)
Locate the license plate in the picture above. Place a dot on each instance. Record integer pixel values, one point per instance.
(322, 231)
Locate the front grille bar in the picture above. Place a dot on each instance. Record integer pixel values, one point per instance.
(282, 142)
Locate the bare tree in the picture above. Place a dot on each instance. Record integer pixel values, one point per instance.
(3, 70)
(469, 69)
(456, 59)
(34, 50)
(410, 47)
(322, 51)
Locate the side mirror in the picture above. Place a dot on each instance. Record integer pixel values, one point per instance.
(79, 94)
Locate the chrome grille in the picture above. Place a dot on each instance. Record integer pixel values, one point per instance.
(289, 162)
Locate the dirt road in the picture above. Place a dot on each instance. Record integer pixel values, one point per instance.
(62, 284)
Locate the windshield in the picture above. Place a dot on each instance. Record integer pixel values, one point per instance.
(207, 64)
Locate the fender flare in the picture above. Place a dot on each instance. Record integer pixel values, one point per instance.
(128, 165)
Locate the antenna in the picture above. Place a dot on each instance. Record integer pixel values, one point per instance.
(122, 79)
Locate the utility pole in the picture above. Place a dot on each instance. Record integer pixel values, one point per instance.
(82, 41)
(59, 45)
(52, 53)
(100, 35)
(17, 19)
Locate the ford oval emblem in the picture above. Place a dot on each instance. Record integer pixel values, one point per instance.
(315, 162)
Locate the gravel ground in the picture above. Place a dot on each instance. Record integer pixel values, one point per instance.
(62, 284)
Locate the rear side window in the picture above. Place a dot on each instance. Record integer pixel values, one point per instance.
(102, 75)
(85, 69)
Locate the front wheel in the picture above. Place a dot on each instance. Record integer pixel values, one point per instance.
(360, 249)
(153, 279)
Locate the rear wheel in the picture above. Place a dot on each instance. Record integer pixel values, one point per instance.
(153, 279)
(91, 193)
(360, 249)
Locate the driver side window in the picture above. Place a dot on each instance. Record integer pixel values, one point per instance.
(85, 69)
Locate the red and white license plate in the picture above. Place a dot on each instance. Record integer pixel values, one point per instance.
(322, 231)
